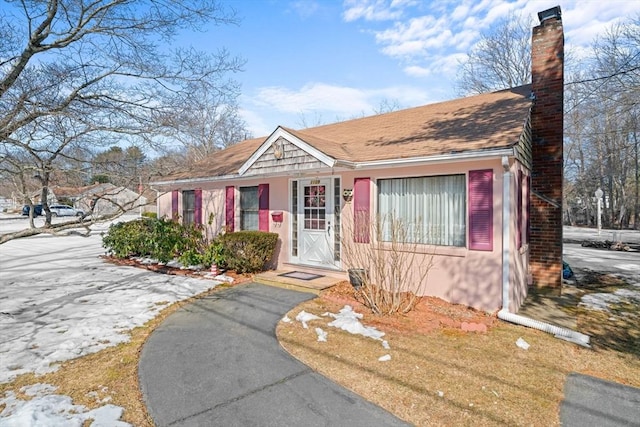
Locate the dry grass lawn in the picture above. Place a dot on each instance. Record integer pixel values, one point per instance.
(444, 376)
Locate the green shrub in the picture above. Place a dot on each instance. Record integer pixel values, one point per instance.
(157, 238)
(215, 254)
(126, 239)
(164, 240)
(248, 251)
(150, 215)
(191, 257)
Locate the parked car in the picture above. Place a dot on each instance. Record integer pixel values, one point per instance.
(37, 210)
(65, 210)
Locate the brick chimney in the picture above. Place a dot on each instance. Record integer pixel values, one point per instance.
(547, 73)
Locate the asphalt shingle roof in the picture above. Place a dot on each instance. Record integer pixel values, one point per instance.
(483, 122)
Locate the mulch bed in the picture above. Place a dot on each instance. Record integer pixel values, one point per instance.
(429, 314)
(164, 269)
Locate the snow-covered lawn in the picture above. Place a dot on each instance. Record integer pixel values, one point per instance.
(59, 301)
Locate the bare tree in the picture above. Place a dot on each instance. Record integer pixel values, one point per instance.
(206, 124)
(500, 60)
(76, 76)
(118, 166)
(602, 127)
(387, 106)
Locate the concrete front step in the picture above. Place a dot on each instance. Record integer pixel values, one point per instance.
(315, 286)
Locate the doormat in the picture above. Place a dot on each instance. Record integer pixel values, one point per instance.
(301, 275)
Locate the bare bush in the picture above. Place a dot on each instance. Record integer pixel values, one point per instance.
(389, 261)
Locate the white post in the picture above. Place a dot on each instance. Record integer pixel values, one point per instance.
(599, 194)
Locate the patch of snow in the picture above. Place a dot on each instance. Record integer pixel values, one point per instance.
(628, 293)
(599, 301)
(174, 263)
(224, 278)
(626, 267)
(384, 358)
(71, 321)
(54, 410)
(322, 335)
(286, 319)
(38, 389)
(440, 393)
(304, 317)
(59, 300)
(522, 344)
(385, 344)
(348, 320)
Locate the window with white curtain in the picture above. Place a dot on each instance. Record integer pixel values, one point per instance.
(430, 210)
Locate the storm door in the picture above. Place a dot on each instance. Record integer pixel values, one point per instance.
(315, 222)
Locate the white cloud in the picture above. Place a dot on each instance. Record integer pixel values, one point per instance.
(305, 8)
(460, 13)
(415, 37)
(442, 65)
(256, 122)
(374, 10)
(584, 21)
(326, 103)
(313, 96)
(434, 42)
(417, 71)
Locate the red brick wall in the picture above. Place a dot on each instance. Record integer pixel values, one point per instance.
(547, 55)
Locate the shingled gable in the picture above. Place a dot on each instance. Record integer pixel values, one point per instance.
(304, 153)
(472, 126)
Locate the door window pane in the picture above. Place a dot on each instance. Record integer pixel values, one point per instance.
(314, 207)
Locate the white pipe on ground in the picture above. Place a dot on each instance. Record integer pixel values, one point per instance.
(557, 331)
(505, 314)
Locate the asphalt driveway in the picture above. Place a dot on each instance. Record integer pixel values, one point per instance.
(218, 362)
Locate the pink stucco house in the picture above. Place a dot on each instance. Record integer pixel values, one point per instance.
(481, 175)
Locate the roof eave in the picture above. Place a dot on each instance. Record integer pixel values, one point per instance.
(194, 180)
(442, 158)
(376, 164)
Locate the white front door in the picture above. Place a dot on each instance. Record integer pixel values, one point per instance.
(315, 222)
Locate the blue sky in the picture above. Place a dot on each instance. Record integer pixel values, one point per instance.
(320, 61)
(311, 62)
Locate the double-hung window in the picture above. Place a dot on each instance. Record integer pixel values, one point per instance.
(249, 208)
(427, 210)
(188, 207)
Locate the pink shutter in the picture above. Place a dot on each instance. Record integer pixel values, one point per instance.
(527, 210)
(174, 205)
(481, 210)
(263, 207)
(229, 208)
(361, 210)
(519, 212)
(197, 206)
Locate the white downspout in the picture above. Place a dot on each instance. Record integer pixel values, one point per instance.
(504, 313)
(506, 234)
